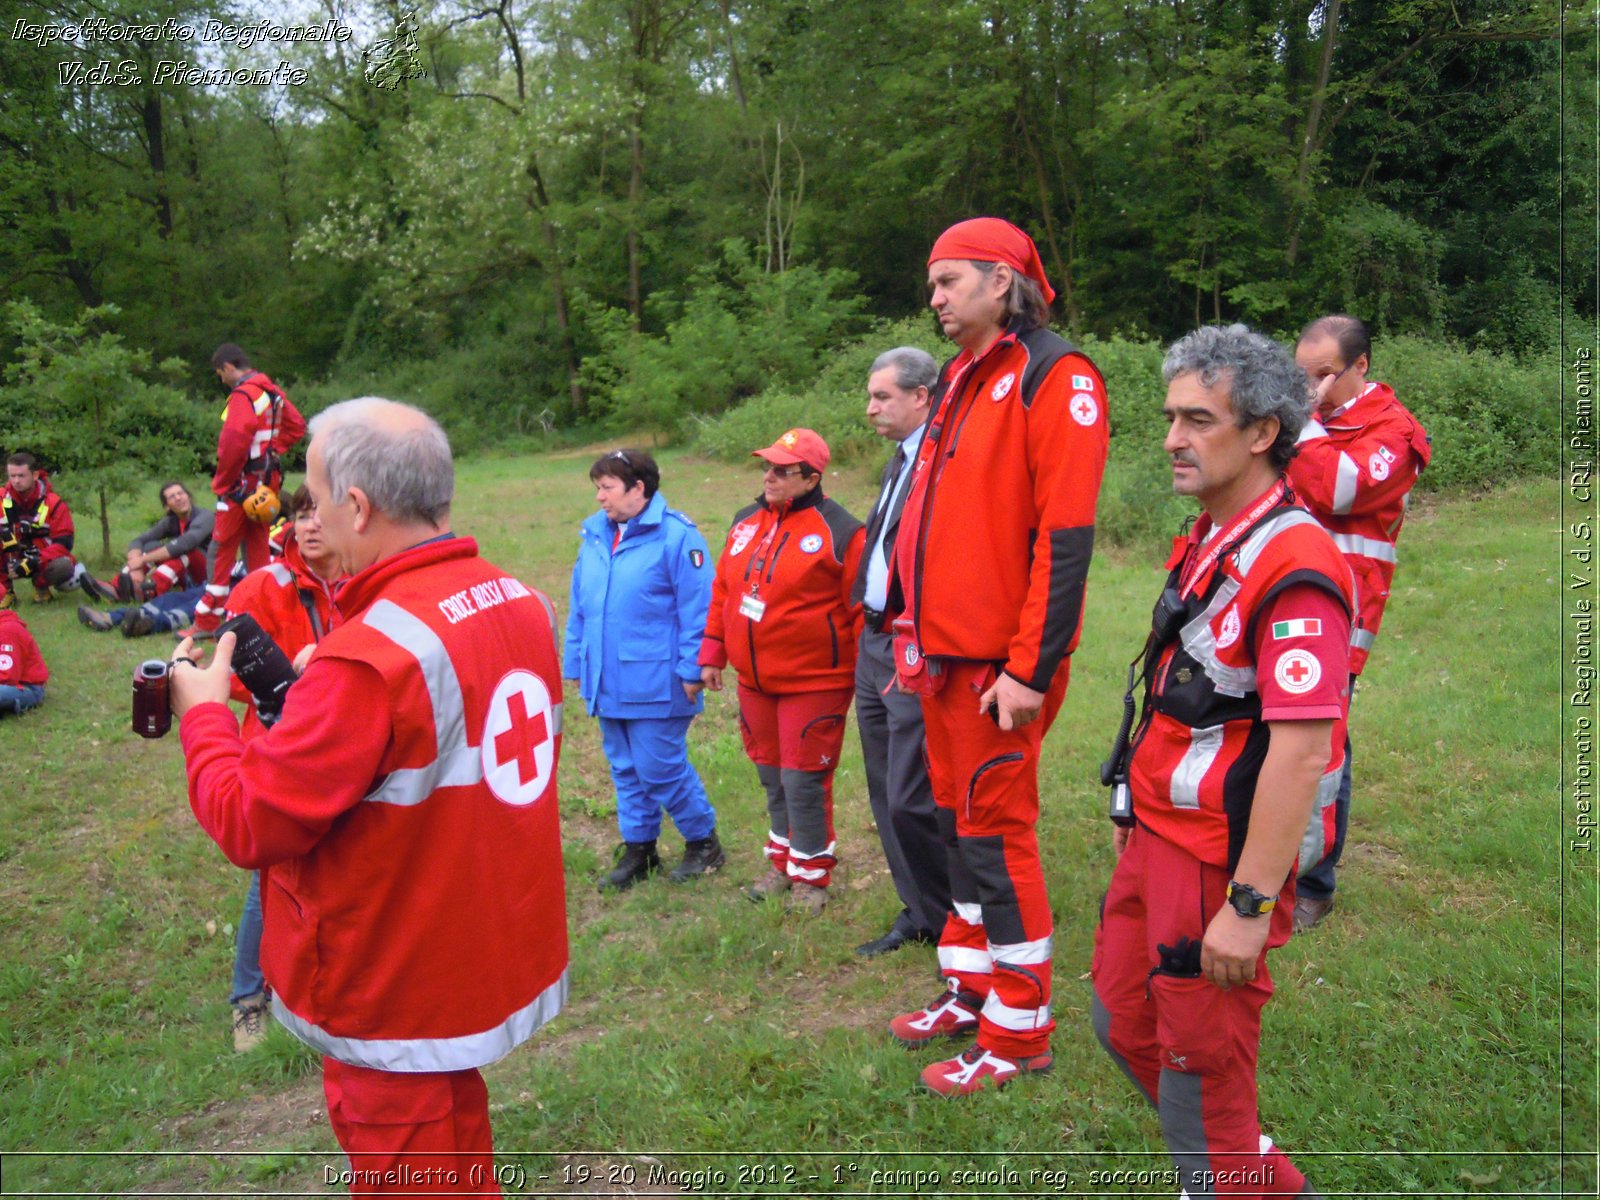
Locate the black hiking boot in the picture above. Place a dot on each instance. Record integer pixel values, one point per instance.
(635, 861)
(700, 857)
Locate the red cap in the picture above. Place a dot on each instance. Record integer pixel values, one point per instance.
(797, 446)
(989, 239)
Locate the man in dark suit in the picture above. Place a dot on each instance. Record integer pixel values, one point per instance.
(890, 721)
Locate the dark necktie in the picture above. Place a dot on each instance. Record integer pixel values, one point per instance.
(880, 514)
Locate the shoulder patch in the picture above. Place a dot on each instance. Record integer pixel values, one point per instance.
(697, 558)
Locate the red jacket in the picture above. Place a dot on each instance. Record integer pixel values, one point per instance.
(1265, 638)
(1355, 471)
(21, 664)
(799, 560)
(258, 415)
(41, 507)
(294, 606)
(993, 550)
(415, 913)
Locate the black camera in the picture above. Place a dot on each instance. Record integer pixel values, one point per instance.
(258, 661)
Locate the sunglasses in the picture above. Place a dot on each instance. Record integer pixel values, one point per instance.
(788, 472)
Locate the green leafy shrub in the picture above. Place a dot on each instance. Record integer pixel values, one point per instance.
(734, 332)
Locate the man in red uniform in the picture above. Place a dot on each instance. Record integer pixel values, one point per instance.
(259, 426)
(990, 563)
(36, 532)
(405, 807)
(1242, 733)
(1360, 456)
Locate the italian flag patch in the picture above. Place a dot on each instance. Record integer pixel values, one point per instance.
(1292, 629)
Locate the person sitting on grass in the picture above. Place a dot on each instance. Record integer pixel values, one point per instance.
(22, 670)
(170, 555)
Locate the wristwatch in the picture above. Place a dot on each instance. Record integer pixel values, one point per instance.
(1248, 902)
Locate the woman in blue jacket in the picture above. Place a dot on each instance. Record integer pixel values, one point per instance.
(640, 592)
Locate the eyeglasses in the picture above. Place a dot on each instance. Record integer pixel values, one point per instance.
(622, 454)
(783, 472)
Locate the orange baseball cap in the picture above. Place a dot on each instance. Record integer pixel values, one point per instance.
(797, 446)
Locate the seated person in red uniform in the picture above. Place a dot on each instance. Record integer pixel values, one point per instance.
(170, 554)
(404, 811)
(22, 670)
(1245, 699)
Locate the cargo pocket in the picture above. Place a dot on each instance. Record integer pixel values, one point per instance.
(1193, 1029)
(990, 781)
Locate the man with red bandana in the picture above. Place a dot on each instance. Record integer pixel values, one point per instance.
(990, 565)
(1242, 735)
(1360, 456)
(406, 806)
(259, 426)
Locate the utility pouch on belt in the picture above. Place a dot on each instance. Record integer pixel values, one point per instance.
(916, 674)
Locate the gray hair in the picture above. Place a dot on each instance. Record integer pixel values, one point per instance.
(407, 472)
(913, 368)
(1263, 381)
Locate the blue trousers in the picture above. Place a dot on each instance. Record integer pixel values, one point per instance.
(247, 978)
(1319, 881)
(21, 699)
(650, 768)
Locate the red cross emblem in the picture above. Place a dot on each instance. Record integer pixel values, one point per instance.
(526, 735)
(1083, 409)
(519, 746)
(1297, 672)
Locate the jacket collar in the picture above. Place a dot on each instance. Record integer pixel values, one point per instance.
(364, 587)
(648, 517)
(810, 500)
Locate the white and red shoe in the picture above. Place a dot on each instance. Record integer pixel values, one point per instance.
(976, 1068)
(952, 1014)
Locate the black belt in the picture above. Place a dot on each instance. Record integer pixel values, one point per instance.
(874, 618)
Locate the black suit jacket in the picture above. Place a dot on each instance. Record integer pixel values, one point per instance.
(890, 521)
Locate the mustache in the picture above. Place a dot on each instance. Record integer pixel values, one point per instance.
(1184, 459)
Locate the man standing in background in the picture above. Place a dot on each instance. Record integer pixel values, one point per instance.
(889, 720)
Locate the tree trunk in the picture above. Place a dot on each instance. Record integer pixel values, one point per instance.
(156, 152)
(105, 527)
(1319, 96)
(558, 286)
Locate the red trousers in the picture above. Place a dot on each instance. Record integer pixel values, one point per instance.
(1187, 1044)
(997, 941)
(233, 530)
(795, 739)
(411, 1134)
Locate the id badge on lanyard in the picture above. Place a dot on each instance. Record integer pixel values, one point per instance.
(752, 607)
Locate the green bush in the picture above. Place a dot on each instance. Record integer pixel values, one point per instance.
(735, 332)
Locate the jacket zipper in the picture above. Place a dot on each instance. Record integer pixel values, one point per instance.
(772, 563)
(834, 634)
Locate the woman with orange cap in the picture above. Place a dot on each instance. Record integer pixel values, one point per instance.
(781, 616)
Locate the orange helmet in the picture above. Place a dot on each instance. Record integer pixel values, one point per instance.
(262, 505)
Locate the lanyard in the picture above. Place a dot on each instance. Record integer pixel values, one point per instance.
(1198, 571)
(758, 556)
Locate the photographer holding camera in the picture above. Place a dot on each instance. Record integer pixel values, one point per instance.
(406, 805)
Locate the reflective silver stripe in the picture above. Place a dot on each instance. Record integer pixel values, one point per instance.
(1344, 484)
(456, 764)
(965, 959)
(1204, 746)
(1023, 954)
(1018, 1019)
(1353, 543)
(1315, 843)
(430, 1054)
(1362, 639)
(971, 913)
(776, 840)
(1250, 549)
(1201, 645)
(216, 589)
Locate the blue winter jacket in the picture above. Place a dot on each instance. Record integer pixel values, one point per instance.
(637, 615)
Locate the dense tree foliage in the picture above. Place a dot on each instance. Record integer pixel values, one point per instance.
(586, 207)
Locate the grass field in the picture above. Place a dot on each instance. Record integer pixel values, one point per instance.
(1436, 1035)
